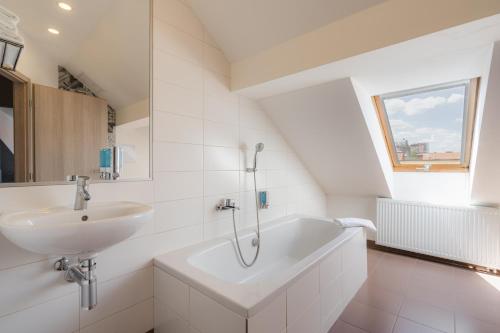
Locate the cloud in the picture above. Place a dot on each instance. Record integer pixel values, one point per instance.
(454, 98)
(419, 105)
(400, 125)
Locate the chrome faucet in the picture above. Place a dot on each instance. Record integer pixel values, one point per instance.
(82, 192)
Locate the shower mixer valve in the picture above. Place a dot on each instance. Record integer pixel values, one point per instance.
(226, 204)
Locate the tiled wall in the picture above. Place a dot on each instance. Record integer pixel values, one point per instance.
(199, 131)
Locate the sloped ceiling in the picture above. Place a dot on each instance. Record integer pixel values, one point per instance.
(256, 25)
(325, 126)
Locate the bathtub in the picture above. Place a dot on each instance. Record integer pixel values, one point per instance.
(307, 272)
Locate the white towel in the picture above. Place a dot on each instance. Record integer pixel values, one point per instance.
(349, 222)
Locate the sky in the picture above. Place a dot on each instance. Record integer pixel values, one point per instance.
(434, 117)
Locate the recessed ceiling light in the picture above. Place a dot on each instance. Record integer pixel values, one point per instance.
(64, 6)
(53, 31)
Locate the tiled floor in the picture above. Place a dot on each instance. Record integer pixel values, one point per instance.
(406, 295)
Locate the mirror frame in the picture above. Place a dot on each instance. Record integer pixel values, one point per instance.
(19, 76)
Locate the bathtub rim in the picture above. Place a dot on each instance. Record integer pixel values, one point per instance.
(243, 299)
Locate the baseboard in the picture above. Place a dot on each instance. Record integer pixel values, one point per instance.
(471, 267)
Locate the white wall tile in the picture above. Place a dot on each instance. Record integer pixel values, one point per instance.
(125, 257)
(175, 70)
(218, 228)
(136, 319)
(209, 316)
(178, 213)
(222, 109)
(179, 43)
(249, 137)
(63, 314)
(247, 180)
(175, 239)
(178, 185)
(178, 157)
(118, 294)
(221, 182)
(29, 285)
(221, 158)
(179, 100)
(276, 160)
(219, 134)
(174, 128)
(277, 178)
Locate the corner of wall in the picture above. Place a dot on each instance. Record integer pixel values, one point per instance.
(373, 125)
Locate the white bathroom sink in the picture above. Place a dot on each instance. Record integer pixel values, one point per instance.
(64, 231)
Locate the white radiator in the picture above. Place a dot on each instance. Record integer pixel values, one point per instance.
(467, 234)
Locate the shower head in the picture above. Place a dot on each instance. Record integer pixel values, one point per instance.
(259, 147)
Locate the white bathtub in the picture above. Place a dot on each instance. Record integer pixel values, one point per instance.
(308, 270)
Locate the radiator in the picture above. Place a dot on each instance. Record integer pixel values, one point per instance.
(467, 234)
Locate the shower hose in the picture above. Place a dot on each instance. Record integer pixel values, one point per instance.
(243, 261)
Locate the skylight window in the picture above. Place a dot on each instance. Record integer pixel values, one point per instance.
(429, 129)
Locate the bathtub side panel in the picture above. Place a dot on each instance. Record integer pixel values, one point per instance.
(179, 308)
(342, 273)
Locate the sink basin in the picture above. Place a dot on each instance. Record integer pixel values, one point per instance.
(64, 231)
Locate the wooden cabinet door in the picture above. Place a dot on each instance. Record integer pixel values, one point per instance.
(69, 130)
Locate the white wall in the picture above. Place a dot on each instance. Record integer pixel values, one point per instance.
(199, 127)
(432, 187)
(364, 207)
(133, 137)
(36, 64)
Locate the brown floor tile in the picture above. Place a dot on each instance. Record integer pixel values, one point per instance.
(407, 295)
(407, 326)
(368, 318)
(428, 315)
(381, 298)
(466, 324)
(343, 327)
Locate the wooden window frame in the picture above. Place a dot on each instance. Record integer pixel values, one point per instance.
(441, 166)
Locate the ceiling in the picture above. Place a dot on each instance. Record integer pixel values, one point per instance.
(39, 15)
(101, 42)
(452, 54)
(257, 25)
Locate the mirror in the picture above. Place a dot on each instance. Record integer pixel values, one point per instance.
(78, 100)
